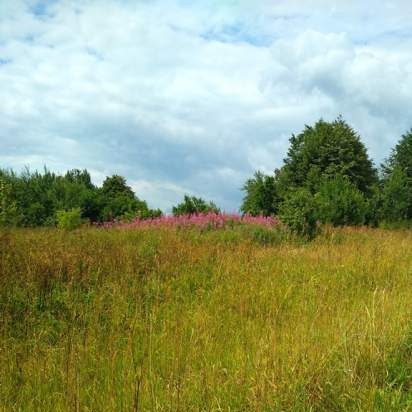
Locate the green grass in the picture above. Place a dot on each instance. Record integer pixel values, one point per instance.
(235, 320)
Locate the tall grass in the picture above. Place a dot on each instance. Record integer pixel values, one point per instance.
(159, 319)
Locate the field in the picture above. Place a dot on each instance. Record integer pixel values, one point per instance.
(161, 319)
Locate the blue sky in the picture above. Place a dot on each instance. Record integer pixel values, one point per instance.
(194, 96)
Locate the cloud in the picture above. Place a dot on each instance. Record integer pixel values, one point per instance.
(192, 97)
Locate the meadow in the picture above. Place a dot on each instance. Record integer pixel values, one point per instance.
(238, 319)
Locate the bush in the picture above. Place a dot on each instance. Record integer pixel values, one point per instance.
(193, 205)
(8, 209)
(298, 212)
(69, 219)
(397, 196)
(340, 203)
(261, 196)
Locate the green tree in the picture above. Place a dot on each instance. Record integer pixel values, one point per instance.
(261, 196)
(69, 219)
(298, 212)
(401, 156)
(116, 185)
(120, 202)
(397, 196)
(397, 182)
(340, 203)
(38, 197)
(192, 205)
(323, 151)
(9, 215)
(80, 177)
(118, 199)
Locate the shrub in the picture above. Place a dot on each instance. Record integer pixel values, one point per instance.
(69, 219)
(340, 203)
(261, 197)
(298, 212)
(397, 196)
(8, 209)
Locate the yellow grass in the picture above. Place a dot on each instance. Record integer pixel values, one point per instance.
(165, 320)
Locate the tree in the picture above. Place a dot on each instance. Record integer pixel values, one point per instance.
(119, 199)
(81, 177)
(192, 205)
(38, 196)
(327, 175)
(298, 212)
(9, 215)
(401, 157)
(324, 151)
(397, 182)
(340, 203)
(397, 196)
(115, 185)
(120, 202)
(261, 195)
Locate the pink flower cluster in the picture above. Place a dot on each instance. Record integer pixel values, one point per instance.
(201, 220)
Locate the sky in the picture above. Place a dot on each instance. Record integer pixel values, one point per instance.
(191, 97)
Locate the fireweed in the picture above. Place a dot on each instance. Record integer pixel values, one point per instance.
(200, 220)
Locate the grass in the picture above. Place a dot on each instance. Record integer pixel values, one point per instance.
(230, 320)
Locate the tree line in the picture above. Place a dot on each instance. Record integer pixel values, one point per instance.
(31, 199)
(326, 177)
(36, 198)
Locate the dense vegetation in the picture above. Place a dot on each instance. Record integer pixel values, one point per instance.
(327, 177)
(37, 199)
(161, 319)
(193, 205)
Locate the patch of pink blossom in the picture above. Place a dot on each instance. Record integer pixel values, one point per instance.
(201, 220)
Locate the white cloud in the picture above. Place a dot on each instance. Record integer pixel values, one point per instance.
(192, 96)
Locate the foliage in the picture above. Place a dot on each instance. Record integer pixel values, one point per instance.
(80, 177)
(261, 196)
(121, 203)
(193, 205)
(8, 208)
(374, 206)
(326, 176)
(401, 156)
(37, 197)
(69, 219)
(340, 203)
(323, 151)
(118, 206)
(397, 196)
(397, 182)
(299, 212)
(115, 185)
